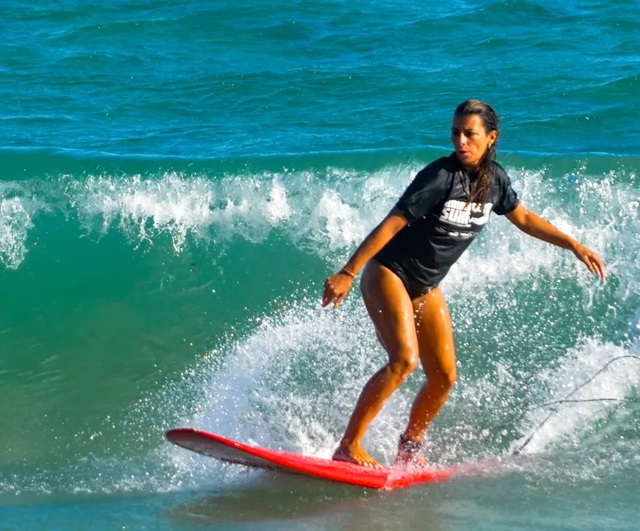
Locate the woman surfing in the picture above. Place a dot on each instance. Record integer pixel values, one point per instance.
(404, 259)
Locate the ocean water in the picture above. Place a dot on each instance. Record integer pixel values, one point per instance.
(177, 180)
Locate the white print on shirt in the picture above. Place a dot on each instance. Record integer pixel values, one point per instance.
(460, 213)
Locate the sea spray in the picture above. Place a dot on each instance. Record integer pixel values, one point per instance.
(288, 374)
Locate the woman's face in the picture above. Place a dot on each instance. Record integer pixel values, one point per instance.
(470, 139)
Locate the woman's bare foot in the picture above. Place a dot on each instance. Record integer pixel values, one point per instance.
(410, 461)
(356, 455)
(409, 454)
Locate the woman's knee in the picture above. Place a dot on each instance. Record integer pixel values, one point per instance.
(403, 364)
(443, 378)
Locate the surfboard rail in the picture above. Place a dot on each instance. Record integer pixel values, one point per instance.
(230, 451)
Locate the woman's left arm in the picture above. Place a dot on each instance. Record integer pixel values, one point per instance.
(532, 224)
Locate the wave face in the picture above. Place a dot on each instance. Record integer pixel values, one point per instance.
(140, 301)
(176, 181)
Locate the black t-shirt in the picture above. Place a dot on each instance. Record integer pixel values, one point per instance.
(442, 223)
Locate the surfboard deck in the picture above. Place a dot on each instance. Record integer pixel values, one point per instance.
(230, 451)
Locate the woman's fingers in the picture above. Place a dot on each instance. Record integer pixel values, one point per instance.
(598, 266)
(336, 288)
(593, 262)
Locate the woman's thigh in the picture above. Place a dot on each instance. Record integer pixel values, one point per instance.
(435, 335)
(391, 311)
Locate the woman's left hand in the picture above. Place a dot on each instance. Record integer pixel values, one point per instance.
(532, 224)
(590, 259)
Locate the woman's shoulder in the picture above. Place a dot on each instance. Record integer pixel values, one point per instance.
(499, 172)
(498, 166)
(449, 164)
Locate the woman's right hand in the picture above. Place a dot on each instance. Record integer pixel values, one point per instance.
(336, 288)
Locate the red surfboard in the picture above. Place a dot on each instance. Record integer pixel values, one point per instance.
(231, 451)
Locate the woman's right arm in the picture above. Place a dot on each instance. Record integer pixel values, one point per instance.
(338, 285)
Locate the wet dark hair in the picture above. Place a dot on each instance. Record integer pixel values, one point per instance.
(480, 186)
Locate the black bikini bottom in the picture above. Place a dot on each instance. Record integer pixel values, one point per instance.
(414, 288)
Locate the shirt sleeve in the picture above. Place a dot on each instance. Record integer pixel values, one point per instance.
(508, 198)
(426, 191)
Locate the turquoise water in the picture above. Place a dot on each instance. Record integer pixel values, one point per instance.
(177, 180)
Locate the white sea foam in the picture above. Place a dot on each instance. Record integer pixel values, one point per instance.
(593, 379)
(284, 385)
(16, 222)
(327, 212)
